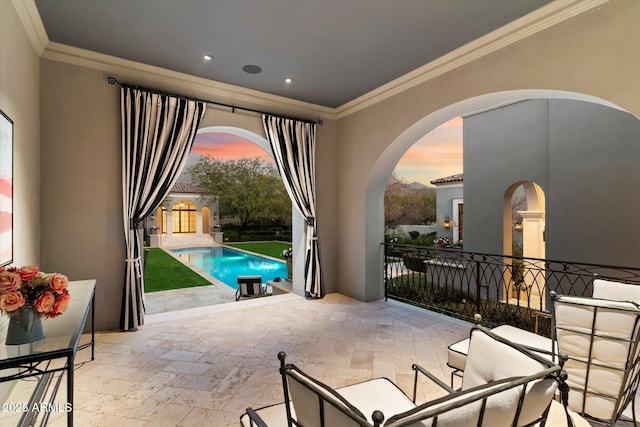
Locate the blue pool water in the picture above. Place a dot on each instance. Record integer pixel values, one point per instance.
(227, 264)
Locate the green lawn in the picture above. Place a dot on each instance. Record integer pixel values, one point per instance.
(164, 272)
(272, 249)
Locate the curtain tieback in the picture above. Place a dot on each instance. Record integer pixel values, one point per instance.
(137, 265)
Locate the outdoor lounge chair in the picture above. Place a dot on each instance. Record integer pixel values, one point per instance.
(250, 286)
(504, 385)
(616, 291)
(601, 340)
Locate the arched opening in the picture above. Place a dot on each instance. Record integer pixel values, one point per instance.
(297, 223)
(524, 237)
(373, 211)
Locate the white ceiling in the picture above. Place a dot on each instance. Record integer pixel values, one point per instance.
(334, 50)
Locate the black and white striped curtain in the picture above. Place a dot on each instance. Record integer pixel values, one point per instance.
(157, 135)
(293, 146)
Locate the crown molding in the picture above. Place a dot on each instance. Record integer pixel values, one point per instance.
(138, 73)
(160, 78)
(532, 23)
(32, 24)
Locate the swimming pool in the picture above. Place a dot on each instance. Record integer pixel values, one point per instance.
(227, 264)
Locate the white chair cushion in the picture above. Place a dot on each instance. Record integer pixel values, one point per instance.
(607, 357)
(457, 352)
(462, 410)
(273, 416)
(617, 291)
(377, 394)
(558, 418)
(305, 393)
(490, 360)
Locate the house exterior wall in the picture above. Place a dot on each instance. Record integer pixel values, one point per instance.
(593, 54)
(445, 194)
(501, 147)
(583, 155)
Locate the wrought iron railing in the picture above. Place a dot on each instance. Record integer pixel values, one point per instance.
(503, 289)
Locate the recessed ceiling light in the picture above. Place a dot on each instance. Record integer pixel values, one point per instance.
(288, 80)
(252, 69)
(207, 57)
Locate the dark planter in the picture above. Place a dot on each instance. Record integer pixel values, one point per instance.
(289, 269)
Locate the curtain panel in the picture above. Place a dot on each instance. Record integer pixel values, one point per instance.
(293, 146)
(157, 135)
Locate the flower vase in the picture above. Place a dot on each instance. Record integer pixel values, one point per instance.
(25, 326)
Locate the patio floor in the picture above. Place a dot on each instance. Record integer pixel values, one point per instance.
(203, 366)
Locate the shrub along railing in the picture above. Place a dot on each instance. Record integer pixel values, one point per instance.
(503, 289)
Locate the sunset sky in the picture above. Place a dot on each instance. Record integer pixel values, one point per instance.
(435, 155)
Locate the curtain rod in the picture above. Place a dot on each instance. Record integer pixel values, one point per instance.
(113, 80)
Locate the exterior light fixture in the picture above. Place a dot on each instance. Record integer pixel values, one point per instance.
(207, 57)
(447, 223)
(288, 80)
(517, 226)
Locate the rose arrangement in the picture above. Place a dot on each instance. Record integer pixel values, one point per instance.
(28, 287)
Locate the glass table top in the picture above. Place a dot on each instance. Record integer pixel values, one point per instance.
(61, 334)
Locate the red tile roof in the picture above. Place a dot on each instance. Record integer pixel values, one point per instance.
(448, 179)
(185, 187)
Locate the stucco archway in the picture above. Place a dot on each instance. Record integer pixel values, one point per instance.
(386, 162)
(297, 223)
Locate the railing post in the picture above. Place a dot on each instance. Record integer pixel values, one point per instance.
(386, 273)
(478, 305)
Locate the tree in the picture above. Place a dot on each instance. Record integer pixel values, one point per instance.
(404, 204)
(250, 190)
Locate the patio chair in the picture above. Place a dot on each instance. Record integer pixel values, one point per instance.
(504, 385)
(601, 341)
(616, 291)
(250, 286)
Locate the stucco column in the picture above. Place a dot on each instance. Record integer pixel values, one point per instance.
(533, 246)
(199, 222)
(169, 230)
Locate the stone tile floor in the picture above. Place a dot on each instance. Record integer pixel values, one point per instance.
(203, 366)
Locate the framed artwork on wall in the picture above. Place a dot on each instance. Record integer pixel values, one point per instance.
(6, 189)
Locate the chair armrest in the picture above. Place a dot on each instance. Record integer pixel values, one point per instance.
(255, 419)
(438, 381)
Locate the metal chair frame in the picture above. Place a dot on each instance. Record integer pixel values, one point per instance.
(630, 373)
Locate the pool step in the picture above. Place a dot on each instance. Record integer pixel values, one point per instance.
(281, 287)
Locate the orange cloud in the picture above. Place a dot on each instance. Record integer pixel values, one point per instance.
(226, 146)
(435, 155)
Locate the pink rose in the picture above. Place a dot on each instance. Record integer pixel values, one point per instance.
(9, 281)
(28, 272)
(58, 282)
(45, 303)
(11, 301)
(60, 306)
